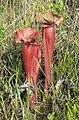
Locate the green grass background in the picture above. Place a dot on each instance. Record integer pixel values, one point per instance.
(61, 103)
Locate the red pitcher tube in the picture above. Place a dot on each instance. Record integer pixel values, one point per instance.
(32, 58)
(48, 41)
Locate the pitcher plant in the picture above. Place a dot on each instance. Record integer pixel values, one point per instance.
(31, 52)
(48, 20)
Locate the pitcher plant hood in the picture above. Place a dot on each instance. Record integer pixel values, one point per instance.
(48, 18)
(26, 35)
